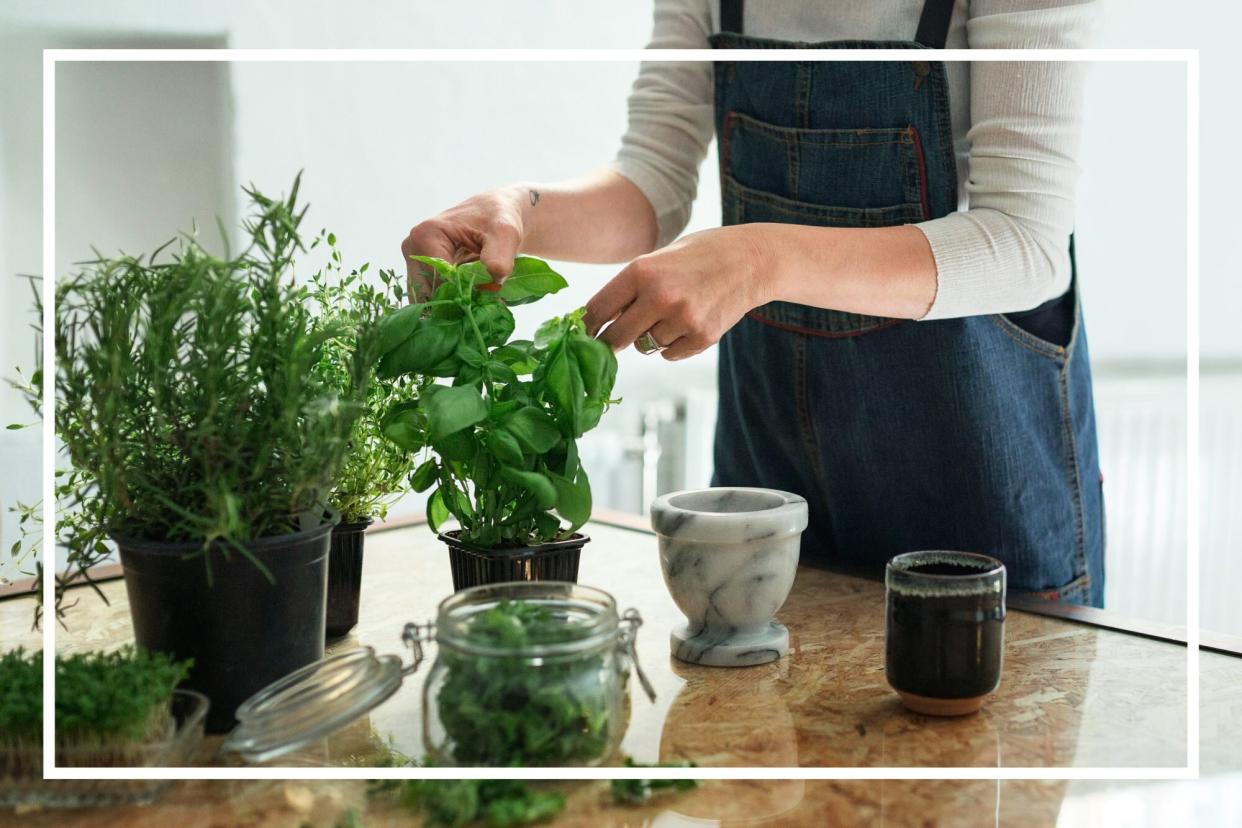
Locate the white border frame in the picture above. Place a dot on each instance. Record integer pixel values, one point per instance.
(1190, 57)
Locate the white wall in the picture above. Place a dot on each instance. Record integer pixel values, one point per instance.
(1211, 27)
(1130, 233)
(141, 150)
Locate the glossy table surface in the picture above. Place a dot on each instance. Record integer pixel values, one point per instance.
(1072, 694)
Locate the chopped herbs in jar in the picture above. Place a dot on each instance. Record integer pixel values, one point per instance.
(523, 708)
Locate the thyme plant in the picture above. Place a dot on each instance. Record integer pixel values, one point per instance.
(375, 469)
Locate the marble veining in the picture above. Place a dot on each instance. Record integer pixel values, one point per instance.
(729, 556)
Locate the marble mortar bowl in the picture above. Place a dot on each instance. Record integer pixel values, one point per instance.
(729, 555)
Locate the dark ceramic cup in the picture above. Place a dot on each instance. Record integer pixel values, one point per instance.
(945, 630)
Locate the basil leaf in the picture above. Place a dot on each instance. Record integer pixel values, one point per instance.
(531, 279)
(443, 268)
(431, 342)
(573, 498)
(564, 383)
(403, 425)
(459, 446)
(547, 333)
(437, 512)
(470, 355)
(495, 322)
(396, 327)
(534, 428)
(549, 527)
(500, 372)
(520, 361)
(475, 272)
(598, 365)
(504, 447)
(453, 409)
(534, 482)
(424, 476)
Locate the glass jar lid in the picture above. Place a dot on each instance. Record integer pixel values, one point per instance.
(310, 703)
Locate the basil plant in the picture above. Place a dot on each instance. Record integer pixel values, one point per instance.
(495, 419)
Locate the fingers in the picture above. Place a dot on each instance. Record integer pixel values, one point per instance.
(607, 304)
(500, 246)
(666, 332)
(685, 347)
(632, 323)
(427, 239)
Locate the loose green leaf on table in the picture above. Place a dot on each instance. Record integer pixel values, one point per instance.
(496, 803)
(638, 791)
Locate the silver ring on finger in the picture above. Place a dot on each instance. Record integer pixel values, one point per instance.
(647, 344)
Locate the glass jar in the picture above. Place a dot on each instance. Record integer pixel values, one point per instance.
(527, 673)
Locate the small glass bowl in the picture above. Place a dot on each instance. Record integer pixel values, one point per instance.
(21, 764)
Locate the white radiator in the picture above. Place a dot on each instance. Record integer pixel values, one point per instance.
(1142, 427)
(1220, 502)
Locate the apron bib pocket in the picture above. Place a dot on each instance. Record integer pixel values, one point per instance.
(866, 175)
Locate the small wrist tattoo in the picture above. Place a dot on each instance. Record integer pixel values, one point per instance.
(534, 197)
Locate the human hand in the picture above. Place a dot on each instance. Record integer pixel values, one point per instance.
(687, 294)
(489, 227)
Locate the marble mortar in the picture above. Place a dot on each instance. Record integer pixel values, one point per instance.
(729, 556)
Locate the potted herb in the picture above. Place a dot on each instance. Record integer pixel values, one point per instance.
(116, 709)
(205, 446)
(21, 720)
(375, 469)
(498, 445)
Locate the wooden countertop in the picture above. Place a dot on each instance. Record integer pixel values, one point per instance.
(1072, 694)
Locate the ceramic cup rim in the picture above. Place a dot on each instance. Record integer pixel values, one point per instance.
(904, 562)
(788, 515)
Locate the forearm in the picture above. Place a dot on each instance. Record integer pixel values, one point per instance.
(600, 217)
(877, 271)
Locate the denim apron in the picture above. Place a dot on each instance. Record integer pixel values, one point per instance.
(973, 434)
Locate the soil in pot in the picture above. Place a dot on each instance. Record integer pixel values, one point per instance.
(475, 566)
(345, 578)
(244, 631)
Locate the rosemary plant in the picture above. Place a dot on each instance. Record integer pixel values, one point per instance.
(188, 400)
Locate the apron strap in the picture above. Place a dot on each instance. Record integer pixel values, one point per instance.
(731, 16)
(933, 23)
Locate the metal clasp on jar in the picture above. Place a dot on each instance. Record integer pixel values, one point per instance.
(630, 621)
(414, 636)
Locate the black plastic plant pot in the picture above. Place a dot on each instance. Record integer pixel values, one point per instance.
(345, 577)
(244, 631)
(475, 566)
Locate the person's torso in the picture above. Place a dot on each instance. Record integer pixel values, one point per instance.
(874, 20)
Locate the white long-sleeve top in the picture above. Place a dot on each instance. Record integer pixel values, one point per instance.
(1016, 128)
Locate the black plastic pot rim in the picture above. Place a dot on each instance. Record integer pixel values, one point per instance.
(574, 541)
(351, 527)
(190, 547)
